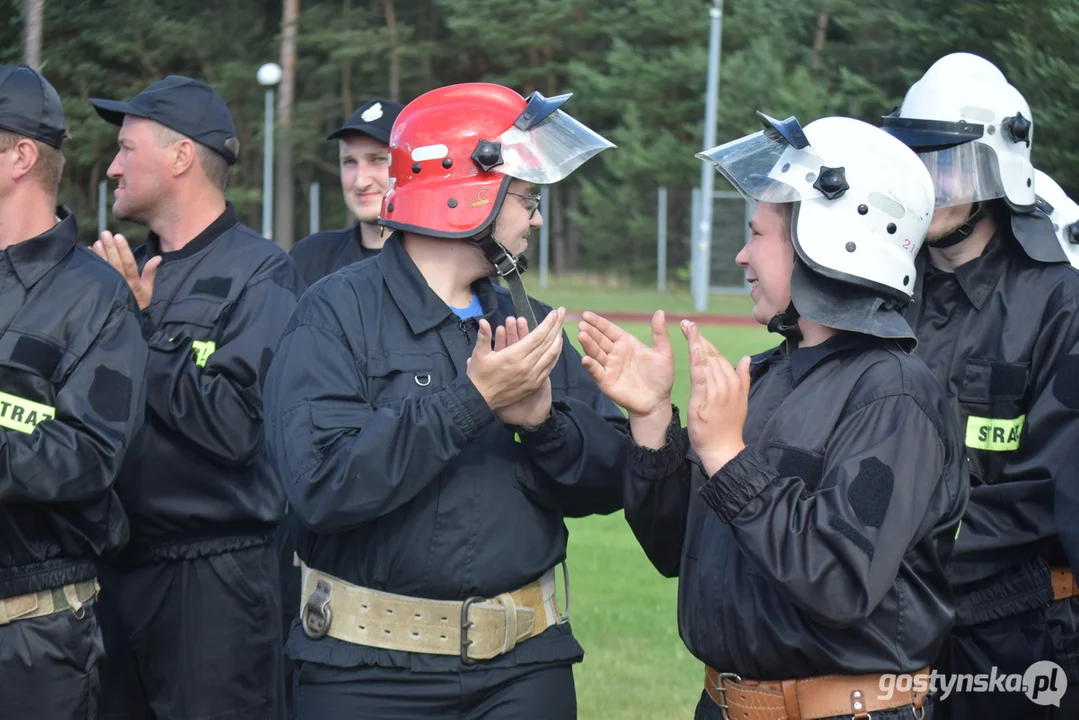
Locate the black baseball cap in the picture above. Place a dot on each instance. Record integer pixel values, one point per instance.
(190, 107)
(30, 106)
(374, 118)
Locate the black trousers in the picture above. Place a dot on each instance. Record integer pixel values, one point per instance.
(527, 692)
(290, 595)
(1010, 644)
(1063, 617)
(194, 639)
(49, 666)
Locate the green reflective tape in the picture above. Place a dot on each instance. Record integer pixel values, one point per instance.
(23, 415)
(203, 350)
(957, 527)
(994, 434)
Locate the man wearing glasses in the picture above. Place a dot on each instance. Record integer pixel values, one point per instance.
(432, 436)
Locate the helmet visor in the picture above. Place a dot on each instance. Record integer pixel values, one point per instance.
(550, 151)
(964, 174)
(764, 167)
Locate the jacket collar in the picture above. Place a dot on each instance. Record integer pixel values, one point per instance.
(980, 276)
(804, 360)
(201, 241)
(422, 308)
(33, 258)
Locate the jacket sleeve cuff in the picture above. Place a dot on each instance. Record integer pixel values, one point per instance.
(653, 464)
(550, 430)
(470, 411)
(739, 481)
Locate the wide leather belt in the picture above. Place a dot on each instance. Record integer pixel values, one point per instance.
(47, 602)
(826, 696)
(1064, 586)
(475, 629)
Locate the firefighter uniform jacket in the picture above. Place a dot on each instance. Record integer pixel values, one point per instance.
(197, 480)
(72, 363)
(821, 547)
(318, 255)
(1001, 335)
(401, 477)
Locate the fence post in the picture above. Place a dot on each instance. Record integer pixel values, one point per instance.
(661, 241)
(313, 209)
(102, 196)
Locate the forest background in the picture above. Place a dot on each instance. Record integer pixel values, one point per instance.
(637, 70)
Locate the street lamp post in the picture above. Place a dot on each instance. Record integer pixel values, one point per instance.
(703, 246)
(268, 76)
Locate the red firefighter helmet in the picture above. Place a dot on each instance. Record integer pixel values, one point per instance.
(454, 150)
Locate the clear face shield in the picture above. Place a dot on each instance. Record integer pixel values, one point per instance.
(964, 174)
(964, 170)
(775, 165)
(546, 145)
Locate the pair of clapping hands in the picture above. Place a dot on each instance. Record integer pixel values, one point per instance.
(640, 378)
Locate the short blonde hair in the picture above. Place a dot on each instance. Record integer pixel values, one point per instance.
(48, 169)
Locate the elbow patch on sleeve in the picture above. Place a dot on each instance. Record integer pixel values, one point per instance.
(1066, 383)
(110, 395)
(803, 464)
(871, 492)
(845, 529)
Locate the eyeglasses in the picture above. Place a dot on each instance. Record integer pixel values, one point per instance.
(532, 202)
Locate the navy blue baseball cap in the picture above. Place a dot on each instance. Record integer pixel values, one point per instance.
(374, 118)
(190, 107)
(30, 106)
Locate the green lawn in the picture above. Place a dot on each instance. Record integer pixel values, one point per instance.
(623, 611)
(598, 295)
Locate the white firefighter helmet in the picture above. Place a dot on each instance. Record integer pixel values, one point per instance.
(972, 129)
(863, 200)
(1062, 210)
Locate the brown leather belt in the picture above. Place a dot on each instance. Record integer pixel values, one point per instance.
(1064, 586)
(811, 698)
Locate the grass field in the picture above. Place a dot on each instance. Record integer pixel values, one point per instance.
(623, 611)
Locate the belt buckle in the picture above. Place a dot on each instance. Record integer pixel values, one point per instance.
(465, 625)
(316, 615)
(734, 677)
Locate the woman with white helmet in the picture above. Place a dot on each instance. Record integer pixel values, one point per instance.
(810, 505)
(996, 317)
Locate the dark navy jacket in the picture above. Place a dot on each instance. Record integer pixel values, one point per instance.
(400, 476)
(322, 253)
(1001, 335)
(197, 480)
(821, 548)
(72, 364)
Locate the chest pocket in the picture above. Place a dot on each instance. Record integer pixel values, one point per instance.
(29, 369)
(993, 401)
(391, 377)
(201, 319)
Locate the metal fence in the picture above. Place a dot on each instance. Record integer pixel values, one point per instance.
(730, 232)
